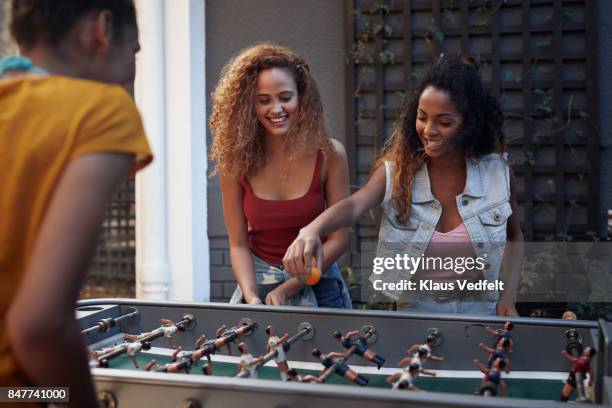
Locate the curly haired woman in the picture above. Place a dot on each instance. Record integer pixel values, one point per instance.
(278, 170)
(442, 178)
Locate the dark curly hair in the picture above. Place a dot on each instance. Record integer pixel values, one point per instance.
(50, 20)
(480, 134)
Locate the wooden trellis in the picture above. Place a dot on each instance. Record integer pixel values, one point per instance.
(538, 58)
(112, 272)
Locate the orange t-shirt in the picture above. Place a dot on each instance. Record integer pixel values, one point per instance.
(45, 122)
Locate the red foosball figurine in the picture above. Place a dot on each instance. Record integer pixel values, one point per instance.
(580, 366)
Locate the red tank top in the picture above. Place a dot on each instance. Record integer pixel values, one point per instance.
(274, 224)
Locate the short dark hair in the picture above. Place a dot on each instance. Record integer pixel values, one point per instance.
(50, 20)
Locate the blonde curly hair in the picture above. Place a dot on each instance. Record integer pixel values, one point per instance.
(238, 136)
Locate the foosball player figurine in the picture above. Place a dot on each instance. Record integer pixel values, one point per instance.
(580, 366)
(503, 333)
(405, 379)
(134, 348)
(247, 361)
(131, 348)
(207, 369)
(361, 344)
(501, 351)
(168, 330)
(214, 345)
(418, 359)
(492, 383)
(276, 343)
(199, 341)
(428, 346)
(232, 334)
(180, 355)
(193, 357)
(94, 355)
(183, 365)
(292, 375)
(341, 368)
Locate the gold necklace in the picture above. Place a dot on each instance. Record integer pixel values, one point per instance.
(284, 175)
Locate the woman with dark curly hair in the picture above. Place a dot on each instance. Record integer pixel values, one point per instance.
(278, 170)
(442, 178)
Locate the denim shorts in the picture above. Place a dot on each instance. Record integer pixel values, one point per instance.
(331, 291)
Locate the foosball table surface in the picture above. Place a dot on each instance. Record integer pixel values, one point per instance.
(537, 375)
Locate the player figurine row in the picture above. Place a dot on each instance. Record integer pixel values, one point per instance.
(498, 360)
(335, 362)
(182, 360)
(492, 383)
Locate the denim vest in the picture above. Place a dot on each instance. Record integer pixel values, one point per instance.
(484, 207)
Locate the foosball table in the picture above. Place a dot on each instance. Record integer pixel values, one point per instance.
(146, 354)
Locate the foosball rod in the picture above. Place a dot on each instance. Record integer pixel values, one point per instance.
(286, 345)
(155, 334)
(227, 337)
(159, 332)
(349, 352)
(106, 324)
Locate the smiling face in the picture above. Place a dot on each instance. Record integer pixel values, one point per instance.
(276, 100)
(437, 122)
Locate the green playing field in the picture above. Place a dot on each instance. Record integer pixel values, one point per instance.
(542, 389)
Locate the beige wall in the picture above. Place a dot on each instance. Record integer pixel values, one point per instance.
(6, 45)
(314, 29)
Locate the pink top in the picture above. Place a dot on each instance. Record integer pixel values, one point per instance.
(453, 244)
(459, 234)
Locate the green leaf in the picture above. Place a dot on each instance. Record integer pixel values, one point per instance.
(387, 57)
(388, 30)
